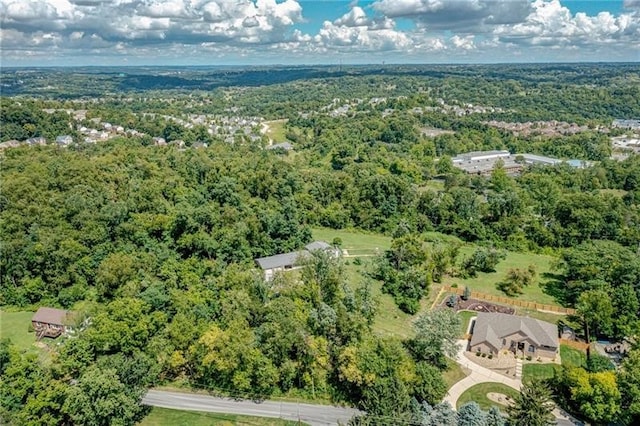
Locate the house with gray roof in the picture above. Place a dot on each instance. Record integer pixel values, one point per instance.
(289, 261)
(494, 332)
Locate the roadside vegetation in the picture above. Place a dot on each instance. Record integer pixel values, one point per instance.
(167, 417)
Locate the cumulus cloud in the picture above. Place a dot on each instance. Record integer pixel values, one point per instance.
(178, 29)
(356, 31)
(465, 43)
(456, 15)
(550, 23)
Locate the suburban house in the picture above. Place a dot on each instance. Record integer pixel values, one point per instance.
(493, 332)
(288, 261)
(51, 322)
(64, 140)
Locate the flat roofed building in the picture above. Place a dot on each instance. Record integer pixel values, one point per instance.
(484, 167)
(480, 155)
(540, 159)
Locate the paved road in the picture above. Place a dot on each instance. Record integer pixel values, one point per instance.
(314, 415)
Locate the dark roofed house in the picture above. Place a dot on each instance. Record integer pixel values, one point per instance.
(318, 245)
(280, 262)
(287, 261)
(51, 322)
(494, 332)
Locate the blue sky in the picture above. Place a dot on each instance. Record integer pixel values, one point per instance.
(210, 32)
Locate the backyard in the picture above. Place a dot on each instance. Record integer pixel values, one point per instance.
(486, 282)
(15, 326)
(570, 358)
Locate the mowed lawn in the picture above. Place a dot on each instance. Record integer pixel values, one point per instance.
(478, 393)
(454, 373)
(356, 243)
(486, 282)
(465, 318)
(166, 417)
(15, 326)
(569, 356)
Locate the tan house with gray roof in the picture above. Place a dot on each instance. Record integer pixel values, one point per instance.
(493, 332)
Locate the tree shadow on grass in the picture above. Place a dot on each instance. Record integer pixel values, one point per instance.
(555, 286)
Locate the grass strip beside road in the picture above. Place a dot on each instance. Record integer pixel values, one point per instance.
(168, 417)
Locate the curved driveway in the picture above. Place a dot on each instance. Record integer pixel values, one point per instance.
(479, 374)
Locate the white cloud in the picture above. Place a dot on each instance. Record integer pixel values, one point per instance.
(355, 31)
(159, 29)
(464, 43)
(457, 15)
(550, 23)
(356, 17)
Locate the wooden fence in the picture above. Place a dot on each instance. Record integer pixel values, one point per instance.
(581, 346)
(512, 302)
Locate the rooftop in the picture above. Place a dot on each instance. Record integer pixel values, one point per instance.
(52, 316)
(492, 327)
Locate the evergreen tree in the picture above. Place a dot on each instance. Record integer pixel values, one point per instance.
(532, 406)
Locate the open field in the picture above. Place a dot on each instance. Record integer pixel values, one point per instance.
(166, 417)
(389, 320)
(486, 282)
(392, 321)
(478, 393)
(356, 243)
(15, 326)
(276, 130)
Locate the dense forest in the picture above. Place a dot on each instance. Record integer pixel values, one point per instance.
(155, 244)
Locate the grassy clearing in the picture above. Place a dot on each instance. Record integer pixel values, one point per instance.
(389, 320)
(276, 130)
(486, 282)
(454, 373)
(166, 417)
(15, 326)
(478, 393)
(356, 243)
